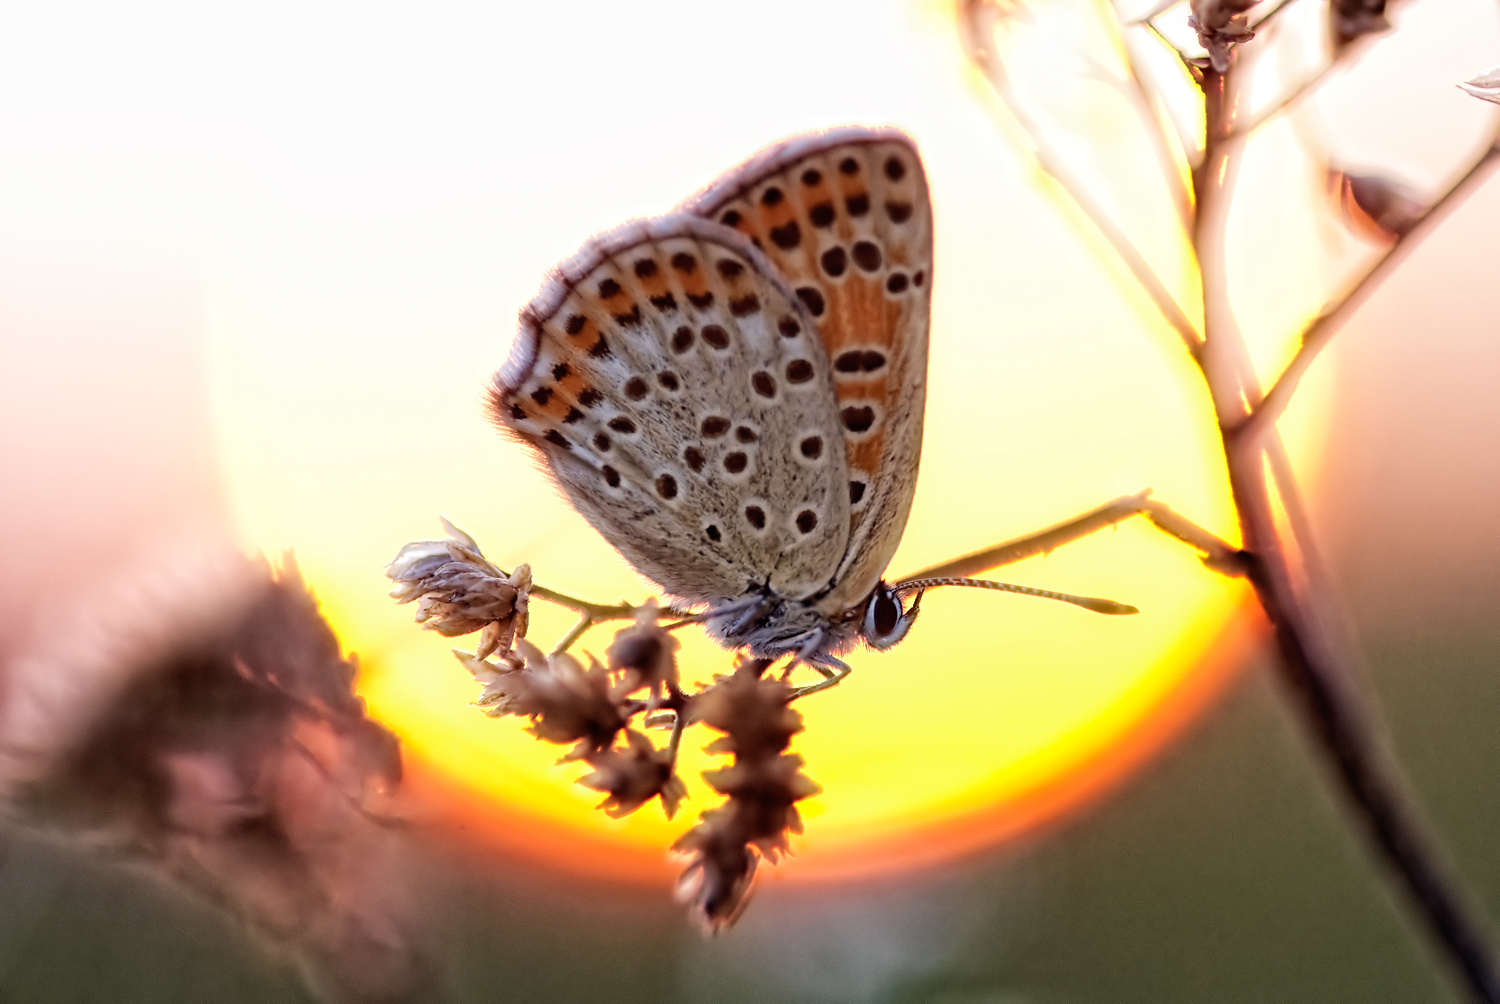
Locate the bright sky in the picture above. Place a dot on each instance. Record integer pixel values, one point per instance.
(366, 194)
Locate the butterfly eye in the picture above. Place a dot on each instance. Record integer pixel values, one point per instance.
(885, 622)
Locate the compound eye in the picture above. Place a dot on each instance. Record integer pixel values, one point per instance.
(885, 614)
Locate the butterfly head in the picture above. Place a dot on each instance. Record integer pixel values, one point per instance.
(886, 619)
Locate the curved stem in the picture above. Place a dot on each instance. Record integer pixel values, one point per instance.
(1052, 165)
(574, 633)
(1344, 730)
(1317, 334)
(1333, 711)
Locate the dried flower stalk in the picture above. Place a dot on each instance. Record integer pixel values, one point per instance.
(1311, 666)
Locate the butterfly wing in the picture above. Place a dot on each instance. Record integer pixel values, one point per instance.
(844, 217)
(677, 390)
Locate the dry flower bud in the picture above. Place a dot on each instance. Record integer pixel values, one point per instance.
(1485, 87)
(763, 785)
(754, 714)
(721, 867)
(459, 592)
(1352, 19)
(633, 776)
(1220, 25)
(496, 698)
(645, 654)
(566, 701)
(762, 794)
(1376, 208)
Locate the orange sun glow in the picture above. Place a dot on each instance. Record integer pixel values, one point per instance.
(368, 283)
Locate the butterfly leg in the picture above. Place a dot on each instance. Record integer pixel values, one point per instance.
(834, 670)
(808, 653)
(1216, 553)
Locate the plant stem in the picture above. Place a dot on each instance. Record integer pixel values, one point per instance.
(1333, 712)
(574, 633)
(1342, 727)
(1328, 321)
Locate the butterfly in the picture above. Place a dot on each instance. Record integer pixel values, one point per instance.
(732, 393)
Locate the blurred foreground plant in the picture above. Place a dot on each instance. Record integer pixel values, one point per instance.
(200, 719)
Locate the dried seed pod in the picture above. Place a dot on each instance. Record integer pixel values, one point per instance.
(459, 592)
(566, 701)
(1221, 24)
(1486, 86)
(633, 776)
(201, 718)
(1376, 208)
(644, 655)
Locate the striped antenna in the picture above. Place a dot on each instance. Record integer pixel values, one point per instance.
(1094, 603)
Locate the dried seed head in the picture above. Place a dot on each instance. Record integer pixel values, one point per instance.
(716, 884)
(763, 785)
(644, 655)
(633, 776)
(753, 713)
(762, 794)
(567, 702)
(1220, 25)
(459, 592)
(208, 726)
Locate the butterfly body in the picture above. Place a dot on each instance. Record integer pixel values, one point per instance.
(732, 393)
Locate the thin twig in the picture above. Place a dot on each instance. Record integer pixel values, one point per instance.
(1147, 278)
(1263, 21)
(1192, 68)
(1333, 712)
(598, 611)
(1281, 104)
(1157, 131)
(1308, 84)
(1218, 554)
(1344, 731)
(1042, 542)
(1161, 8)
(1321, 330)
(574, 633)
(678, 724)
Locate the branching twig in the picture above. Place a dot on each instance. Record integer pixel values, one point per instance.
(1291, 97)
(1321, 330)
(1156, 132)
(1217, 554)
(1334, 713)
(1265, 18)
(1162, 6)
(1077, 192)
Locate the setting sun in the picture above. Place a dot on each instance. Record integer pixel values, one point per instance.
(350, 374)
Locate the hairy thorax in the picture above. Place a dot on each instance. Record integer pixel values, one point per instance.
(770, 626)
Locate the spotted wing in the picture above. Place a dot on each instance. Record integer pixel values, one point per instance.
(844, 217)
(678, 392)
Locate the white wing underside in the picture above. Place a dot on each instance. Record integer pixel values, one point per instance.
(761, 501)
